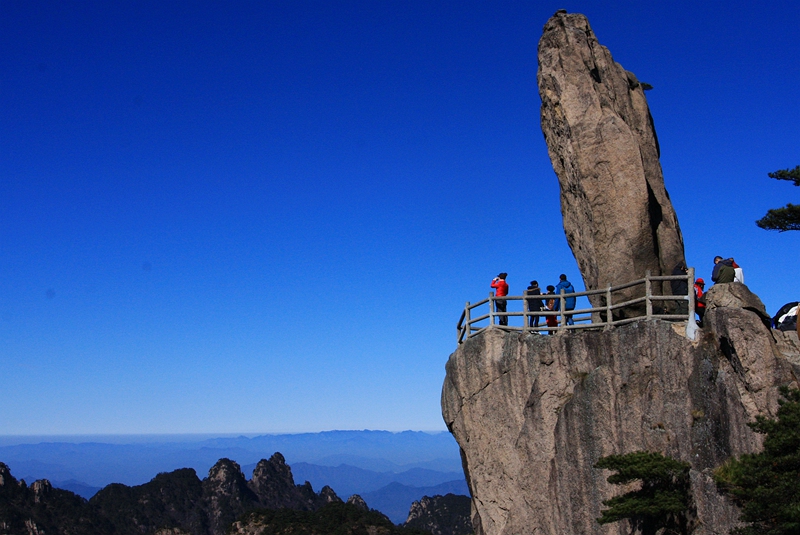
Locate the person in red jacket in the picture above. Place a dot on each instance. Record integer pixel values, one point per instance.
(501, 289)
(699, 300)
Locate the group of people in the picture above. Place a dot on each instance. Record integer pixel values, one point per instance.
(725, 270)
(536, 304)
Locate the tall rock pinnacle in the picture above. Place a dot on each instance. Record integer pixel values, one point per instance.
(617, 215)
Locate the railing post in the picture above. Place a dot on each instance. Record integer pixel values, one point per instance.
(609, 318)
(562, 325)
(491, 308)
(467, 320)
(647, 294)
(525, 313)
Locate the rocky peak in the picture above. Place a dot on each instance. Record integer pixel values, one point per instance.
(272, 481)
(441, 515)
(274, 486)
(5, 474)
(617, 215)
(327, 495)
(41, 489)
(226, 494)
(357, 501)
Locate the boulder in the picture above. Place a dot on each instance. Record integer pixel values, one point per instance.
(617, 215)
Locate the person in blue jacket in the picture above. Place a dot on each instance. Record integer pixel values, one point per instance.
(569, 302)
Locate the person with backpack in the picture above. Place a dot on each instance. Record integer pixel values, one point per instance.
(534, 305)
(738, 274)
(501, 290)
(569, 302)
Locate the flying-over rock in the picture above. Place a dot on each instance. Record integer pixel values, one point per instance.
(533, 414)
(617, 215)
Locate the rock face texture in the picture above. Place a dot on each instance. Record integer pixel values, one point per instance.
(533, 414)
(617, 215)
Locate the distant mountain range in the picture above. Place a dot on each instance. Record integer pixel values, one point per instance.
(97, 463)
(389, 470)
(180, 503)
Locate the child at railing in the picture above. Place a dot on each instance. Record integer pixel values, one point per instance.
(552, 321)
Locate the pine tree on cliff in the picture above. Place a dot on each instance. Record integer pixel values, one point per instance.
(663, 501)
(788, 217)
(767, 485)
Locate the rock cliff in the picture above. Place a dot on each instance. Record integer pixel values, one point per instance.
(617, 215)
(533, 414)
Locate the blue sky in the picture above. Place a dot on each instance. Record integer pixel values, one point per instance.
(251, 217)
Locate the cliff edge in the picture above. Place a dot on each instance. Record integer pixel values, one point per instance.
(533, 414)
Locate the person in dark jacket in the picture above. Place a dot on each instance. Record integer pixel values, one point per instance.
(681, 287)
(569, 302)
(723, 272)
(534, 305)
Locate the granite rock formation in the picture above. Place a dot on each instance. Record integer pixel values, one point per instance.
(173, 503)
(40, 508)
(441, 515)
(617, 215)
(533, 414)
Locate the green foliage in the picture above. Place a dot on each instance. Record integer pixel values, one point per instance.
(662, 501)
(788, 217)
(767, 485)
(787, 174)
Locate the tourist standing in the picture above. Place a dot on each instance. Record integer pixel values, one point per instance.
(534, 305)
(501, 290)
(681, 286)
(569, 302)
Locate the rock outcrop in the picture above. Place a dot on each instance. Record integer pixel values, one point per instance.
(274, 487)
(172, 503)
(41, 508)
(617, 215)
(441, 515)
(533, 414)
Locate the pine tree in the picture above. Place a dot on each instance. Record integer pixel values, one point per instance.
(663, 501)
(788, 217)
(767, 485)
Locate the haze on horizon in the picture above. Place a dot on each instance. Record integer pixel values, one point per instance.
(267, 217)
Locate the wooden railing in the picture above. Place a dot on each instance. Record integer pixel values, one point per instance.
(592, 317)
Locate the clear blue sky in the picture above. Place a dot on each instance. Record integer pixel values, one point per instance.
(228, 217)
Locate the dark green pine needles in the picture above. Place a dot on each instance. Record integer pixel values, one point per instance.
(788, 217)
(662, 501)
(767, 485)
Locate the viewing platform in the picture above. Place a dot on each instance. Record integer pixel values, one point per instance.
(612, 302)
